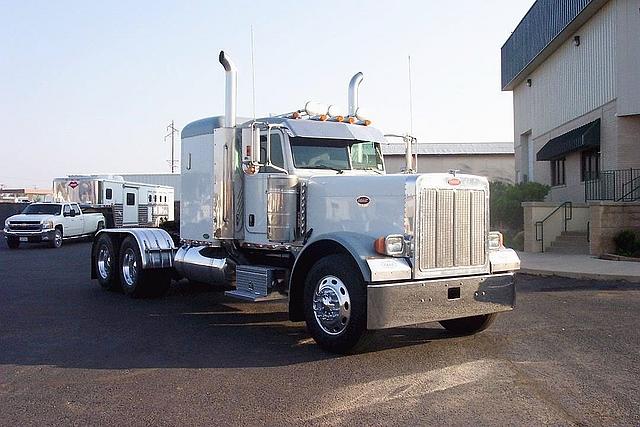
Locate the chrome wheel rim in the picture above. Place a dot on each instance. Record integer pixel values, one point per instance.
(57, 238)
(331, 305)
(104, 262)
(130, 267)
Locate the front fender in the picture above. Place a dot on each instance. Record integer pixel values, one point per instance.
(358, 246)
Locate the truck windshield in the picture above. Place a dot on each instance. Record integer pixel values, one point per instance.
(42, 209)
(339, 154)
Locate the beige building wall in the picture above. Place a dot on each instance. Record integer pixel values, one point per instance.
(496, 167)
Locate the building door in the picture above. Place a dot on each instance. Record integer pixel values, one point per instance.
(527, 157)
(130, 206)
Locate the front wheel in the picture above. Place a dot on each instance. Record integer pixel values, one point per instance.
(469, 325)
(136, 281)
(56, 242)
(335, 304)
(13, 242)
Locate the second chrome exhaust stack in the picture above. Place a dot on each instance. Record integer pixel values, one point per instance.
(354, 84)
(231, 90)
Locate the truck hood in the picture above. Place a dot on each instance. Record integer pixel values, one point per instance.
(370, 204)
(26, 217)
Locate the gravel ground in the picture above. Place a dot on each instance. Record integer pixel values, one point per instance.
(71, 353)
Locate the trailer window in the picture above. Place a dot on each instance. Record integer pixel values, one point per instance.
(149, 198)
(131, 199)
(108, 194)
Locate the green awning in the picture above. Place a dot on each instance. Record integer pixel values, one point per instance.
(582, 138)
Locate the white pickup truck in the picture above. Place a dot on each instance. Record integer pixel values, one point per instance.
(51, 222)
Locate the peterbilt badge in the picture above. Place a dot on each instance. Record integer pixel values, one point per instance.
(363, 201)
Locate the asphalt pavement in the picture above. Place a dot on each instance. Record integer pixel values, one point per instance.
(73, 354)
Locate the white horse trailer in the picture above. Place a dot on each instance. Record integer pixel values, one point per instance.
(123, 203)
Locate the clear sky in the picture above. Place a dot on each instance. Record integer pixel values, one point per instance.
(89, 87)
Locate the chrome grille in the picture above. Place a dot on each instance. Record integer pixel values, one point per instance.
(450, 228)
(24, 226)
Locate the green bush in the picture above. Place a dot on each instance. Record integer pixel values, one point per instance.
(506, 200)
(627, 243)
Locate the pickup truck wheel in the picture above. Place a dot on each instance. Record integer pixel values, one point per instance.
(469, 325)
(105, 264)
(335, 304)
(13, 243)
(56, 242)
(137, 282)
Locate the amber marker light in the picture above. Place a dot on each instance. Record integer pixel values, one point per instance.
(323, 117)
(339, 119)
(351, 120)
(366, 122)
(295, 115)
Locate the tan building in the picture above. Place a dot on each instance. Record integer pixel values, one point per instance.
(573, 67)
(490, 159)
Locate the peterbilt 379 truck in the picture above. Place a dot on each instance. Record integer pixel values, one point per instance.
(299, 206)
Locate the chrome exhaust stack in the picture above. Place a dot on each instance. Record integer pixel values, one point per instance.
(354, 84)
(191, 264)
(231, 90)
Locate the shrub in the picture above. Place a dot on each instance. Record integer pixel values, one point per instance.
(627, 243)
(506, 203)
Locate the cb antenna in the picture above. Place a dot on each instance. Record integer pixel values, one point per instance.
(253, 75)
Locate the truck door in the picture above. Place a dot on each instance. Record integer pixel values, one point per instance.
(255, 193)
(130, 206)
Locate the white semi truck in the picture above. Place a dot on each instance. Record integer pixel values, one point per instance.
(300, 206)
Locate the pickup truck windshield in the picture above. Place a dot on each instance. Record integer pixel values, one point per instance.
(339, 154)
(42, 209)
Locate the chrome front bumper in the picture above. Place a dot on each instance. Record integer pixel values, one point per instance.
(31, 236)
(409, 303)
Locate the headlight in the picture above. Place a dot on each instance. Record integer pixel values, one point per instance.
(392, 245)
(495, 241)
(47, 225)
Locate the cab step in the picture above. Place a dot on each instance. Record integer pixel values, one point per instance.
(258, 283)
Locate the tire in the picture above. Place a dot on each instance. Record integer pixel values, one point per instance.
(136, 281)
(338, 279)
(469, 325)
(56, 242)
(105, 264)
(13, 243)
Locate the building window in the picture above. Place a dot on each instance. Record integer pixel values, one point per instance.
(590, 164)
(557, 172)
(108, 194)
(131, 199)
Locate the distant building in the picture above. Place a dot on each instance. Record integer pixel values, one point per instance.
(18, 195)
(573, 67)
(490, 159)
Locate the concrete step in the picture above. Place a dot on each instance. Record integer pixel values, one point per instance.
(567, 250)
(570, 242)
(572, 238)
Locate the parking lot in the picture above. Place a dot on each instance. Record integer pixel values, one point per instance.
(71, 353)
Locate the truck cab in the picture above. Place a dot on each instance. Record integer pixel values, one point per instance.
(300, 206)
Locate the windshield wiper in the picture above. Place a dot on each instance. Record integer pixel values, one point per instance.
(327, 167)
(376, 170)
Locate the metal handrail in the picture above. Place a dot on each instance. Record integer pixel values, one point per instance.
(633, 189)
(568, 216)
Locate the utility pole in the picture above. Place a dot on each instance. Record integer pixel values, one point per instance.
(172, 131)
